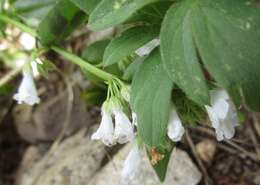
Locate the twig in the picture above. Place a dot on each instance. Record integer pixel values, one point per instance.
(256, 124)
(231, 143)
(254, 140)
(248, 154)
(207, 179)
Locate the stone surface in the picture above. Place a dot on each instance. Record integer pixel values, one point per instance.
(73, 162)
(45, 121)
(181, 171)
(206, 150)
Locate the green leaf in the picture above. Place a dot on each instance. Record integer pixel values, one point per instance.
(150, 99)
(228, 39)
(127, 43)
(86, 5)
(62, 19)
(179, 53)
(31, 11)
(152, 13)
(132, 68)
(162, 166)
(94, 53)
(113, 12)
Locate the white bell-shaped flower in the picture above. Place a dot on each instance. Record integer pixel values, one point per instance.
(27, 92)
(105, 131)
(175, 128)
(222, 114)
(124, 130)
(27, 41)
(147, 48)
(131, 167)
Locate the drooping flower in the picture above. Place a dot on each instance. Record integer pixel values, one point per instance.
(131, 167)
(147, 48)
(27, 41)
(105, 131)
(175, 128)
(222, 114)
(27, 92)
(124, 130)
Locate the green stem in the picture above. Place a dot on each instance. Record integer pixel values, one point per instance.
(82, 63)
(67, 55)
(19, 25)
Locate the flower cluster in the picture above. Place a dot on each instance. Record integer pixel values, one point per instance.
(115, 126)
(109, 132)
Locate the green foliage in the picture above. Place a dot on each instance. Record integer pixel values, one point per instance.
(189, 112)
(94, 95)
(60, 21)
(162, 165)
(228, 39)
(45, 68)
(214, 27)
(127, 43)
(94, 54)
(87, 6)
(31, 11)
(150, 99)
(113, 12)
(179, 53)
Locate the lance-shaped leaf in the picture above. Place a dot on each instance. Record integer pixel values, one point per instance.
(150, 99)
(127, 43)
(86, 5)
(113, 12)
(31, 11)
(228, 39)
(61, 20)
(179, 53)
(161, 166)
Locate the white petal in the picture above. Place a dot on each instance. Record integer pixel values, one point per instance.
(131, 166)
(219, 102)
(213, 117)
(27, 92)
(147, 48)
(222, 114)
(105, 131)
(124, 130)
(175, 128)
(27, 41)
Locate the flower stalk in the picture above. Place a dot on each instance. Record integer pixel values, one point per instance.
(67, 55)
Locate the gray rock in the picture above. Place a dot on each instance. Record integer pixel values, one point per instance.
(73, 162)
(181, 171)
